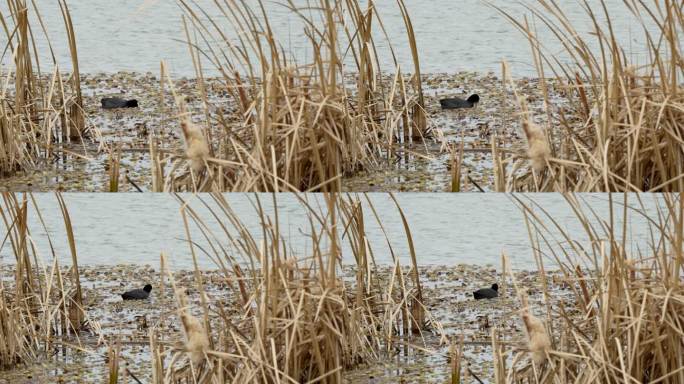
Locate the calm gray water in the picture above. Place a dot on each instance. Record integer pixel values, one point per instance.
(453, 35)
(447, 229)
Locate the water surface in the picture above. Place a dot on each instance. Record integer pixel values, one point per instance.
(452, 35)
(447, 229)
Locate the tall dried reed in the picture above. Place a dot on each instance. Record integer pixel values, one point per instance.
(302, 322)
(626, 321)
(39, 306)
(37, 111)
(300, 126)
(622, 126)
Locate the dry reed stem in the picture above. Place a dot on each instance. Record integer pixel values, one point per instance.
(302, 126)
(38, 305)
(630, 305)
(621, 129)
(302, 322)
(39, 111)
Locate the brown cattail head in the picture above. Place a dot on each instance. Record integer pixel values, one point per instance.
(538, 339)
(539, 150)
(291, 264)
(196, 147)
(196, 338)
(538, 145)
(631, 265)
(197, 341)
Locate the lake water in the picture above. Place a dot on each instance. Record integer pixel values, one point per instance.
(447, 229)
(452, 35)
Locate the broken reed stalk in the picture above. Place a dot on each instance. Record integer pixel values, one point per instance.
(620, 129)
(39, 111)
(301, 322)
(114, 168)
(629, 300)
(457, 168)
(113, 362)
(456, 355)
(301, 126)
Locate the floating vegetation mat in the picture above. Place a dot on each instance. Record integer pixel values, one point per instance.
(124, 136)
(448, 295)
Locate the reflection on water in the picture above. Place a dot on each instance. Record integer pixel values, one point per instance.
(447, 229)
(452, 35)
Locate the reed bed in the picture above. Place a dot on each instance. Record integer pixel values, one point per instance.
(621, 128)
(285, 317)
(297, 126)
(626, 322)
(300, 322)
(38, 111)
(39, 306)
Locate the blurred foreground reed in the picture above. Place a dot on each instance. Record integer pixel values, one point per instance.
(622, 127)
(626, 321)
(38, 111)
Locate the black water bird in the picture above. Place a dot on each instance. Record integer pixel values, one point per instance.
(138, 294)
(487, 293)
(458, 103)
(117, 102)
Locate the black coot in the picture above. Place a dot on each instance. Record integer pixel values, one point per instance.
(458, 103)
(117, 102)
(487, 293)
(138, 294)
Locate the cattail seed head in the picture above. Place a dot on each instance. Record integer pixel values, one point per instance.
(197, 342)
(538, 151)
(538, 339)
(196, 337)
(196, 147)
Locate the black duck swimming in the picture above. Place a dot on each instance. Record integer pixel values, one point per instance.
(487, 293)
(458, 103)
(117, 102)
(138, 294)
